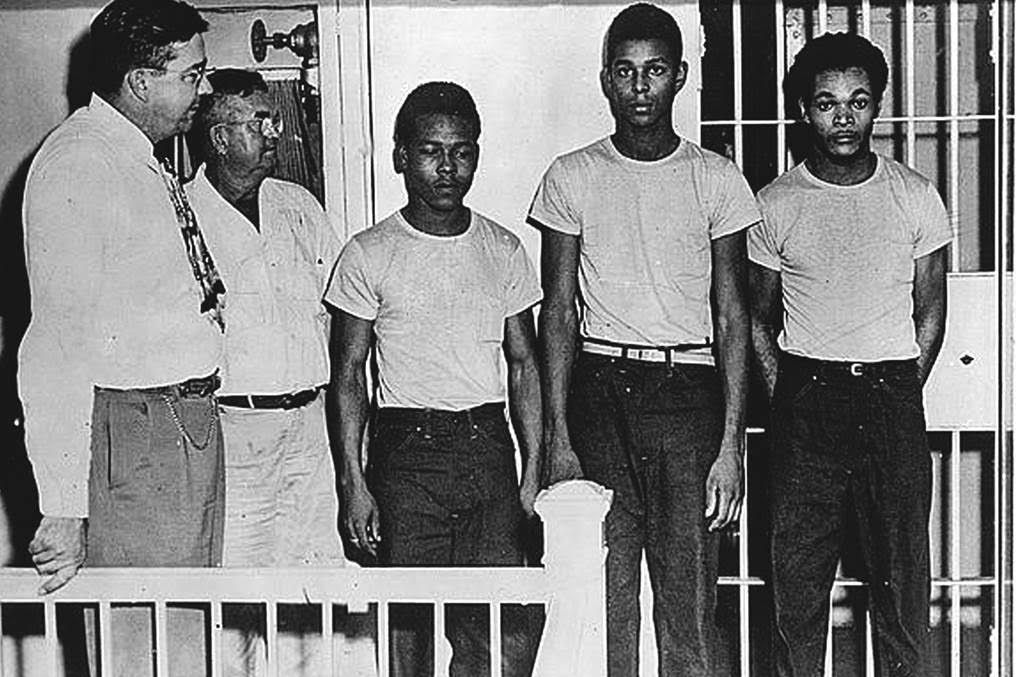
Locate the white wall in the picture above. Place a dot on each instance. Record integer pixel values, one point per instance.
(533, 71)
(33, 80)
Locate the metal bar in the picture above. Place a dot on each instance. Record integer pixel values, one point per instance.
(882, 119)
(955, 548)
(2, 639)
(328, 635)
(105, 637)
(215, 637)
(383, 645)
(866, 18)
(968, 581)
(495, 639)
(823, 17)
(49, 628)
(744, 626)
(998, 614)
(161, 640)
(1004, 658)
(827, 668)
(911, 103)
(441, 652)
(781, 69)
(869, 644)
(272, 637)
(954, 131)
(735, 21)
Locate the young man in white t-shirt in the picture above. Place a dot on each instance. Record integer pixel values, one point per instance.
(848, 311)
(646, 394)
(445, 292)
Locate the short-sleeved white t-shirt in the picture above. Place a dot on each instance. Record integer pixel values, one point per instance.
(438, 305)
(846, 259)
(646, 229)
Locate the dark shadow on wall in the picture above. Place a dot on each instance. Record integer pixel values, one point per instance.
(17, 485)
(79, 73)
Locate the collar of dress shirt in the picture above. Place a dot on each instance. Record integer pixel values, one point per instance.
(124, 134)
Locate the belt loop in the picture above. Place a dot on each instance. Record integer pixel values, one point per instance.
(624, 352)
(250, 401)
(669, 355)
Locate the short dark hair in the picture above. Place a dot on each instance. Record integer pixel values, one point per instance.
(435, 98)
(131, 34)
(213, 108)
(835, 51)
(643, 21)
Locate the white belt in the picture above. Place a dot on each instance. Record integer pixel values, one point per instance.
(684, 355)
(631, 353)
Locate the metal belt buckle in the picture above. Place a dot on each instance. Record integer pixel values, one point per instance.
(856, 369)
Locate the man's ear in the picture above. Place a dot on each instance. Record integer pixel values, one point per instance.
(605, 81)
(680, 76)
(217, 137)
(399, 158)
(802, 108)
(137, 83)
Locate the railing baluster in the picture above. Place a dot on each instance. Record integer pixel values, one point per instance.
(869, 644)
(495, 639)
(328, 635)
(441, 652)
(161, 641)
(215, 643)
(105, 637)
(52, 645)
(383, 645)
(272, 637)
(827, 670)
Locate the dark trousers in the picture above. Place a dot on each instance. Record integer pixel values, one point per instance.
(849, 449)
(651, 432)
(448, 495)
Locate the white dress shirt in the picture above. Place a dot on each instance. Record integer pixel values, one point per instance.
(114, 301)
(276, 324)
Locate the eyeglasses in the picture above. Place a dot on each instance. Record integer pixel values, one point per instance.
(191, 76)
(269, 126)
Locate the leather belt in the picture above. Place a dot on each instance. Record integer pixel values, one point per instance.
(836, 368)
(284, 401)
(193, 387)
(414, 416)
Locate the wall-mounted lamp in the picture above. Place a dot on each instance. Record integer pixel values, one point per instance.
(302, 41)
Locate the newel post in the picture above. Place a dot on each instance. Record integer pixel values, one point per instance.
(575, 634)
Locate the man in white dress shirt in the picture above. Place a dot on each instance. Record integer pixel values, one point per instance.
(274, 247)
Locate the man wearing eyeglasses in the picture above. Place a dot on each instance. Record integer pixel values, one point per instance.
(119, 365)
(274, 247)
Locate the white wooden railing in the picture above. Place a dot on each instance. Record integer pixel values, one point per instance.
(570, 584)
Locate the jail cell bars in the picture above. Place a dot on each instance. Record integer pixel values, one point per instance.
(948, 112)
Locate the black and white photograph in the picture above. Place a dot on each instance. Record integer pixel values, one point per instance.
(507, 338)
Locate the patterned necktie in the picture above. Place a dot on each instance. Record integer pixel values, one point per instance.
(201, 262)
